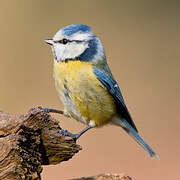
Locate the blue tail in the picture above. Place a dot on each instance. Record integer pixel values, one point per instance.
(134, 134)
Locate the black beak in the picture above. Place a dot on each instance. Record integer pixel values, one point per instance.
(49, 41)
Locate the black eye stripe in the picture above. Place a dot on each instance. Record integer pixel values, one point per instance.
(65, 41)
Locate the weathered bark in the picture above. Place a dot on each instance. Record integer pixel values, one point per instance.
(29, 141)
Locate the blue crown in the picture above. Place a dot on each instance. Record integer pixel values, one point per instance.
(74, 28)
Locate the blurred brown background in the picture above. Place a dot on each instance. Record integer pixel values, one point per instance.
(141, 39)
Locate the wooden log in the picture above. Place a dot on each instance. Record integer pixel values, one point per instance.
(29, 141)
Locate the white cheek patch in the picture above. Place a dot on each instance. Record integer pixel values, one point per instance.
(69, 51)
(58, 51)
(75, 49)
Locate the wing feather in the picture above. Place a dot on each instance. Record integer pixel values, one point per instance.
(112, 87)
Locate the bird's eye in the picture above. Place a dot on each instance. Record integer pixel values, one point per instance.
(64, 41)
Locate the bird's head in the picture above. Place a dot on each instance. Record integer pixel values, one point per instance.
(77, 42)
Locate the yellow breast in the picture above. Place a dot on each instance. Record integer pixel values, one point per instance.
(82, 94)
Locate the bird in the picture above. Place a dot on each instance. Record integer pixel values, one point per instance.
(85, 84)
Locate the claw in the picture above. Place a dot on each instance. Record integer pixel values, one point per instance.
(39, 107)
(32, 109)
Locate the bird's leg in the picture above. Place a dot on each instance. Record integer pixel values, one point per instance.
(50, 110)
(74, 136)
(62, 131)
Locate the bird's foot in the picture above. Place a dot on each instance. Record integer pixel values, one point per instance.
(74, 136)
(69, 134)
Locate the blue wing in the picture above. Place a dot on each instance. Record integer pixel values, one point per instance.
(112, 87)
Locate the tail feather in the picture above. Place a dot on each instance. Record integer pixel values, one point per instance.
(134, 134)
